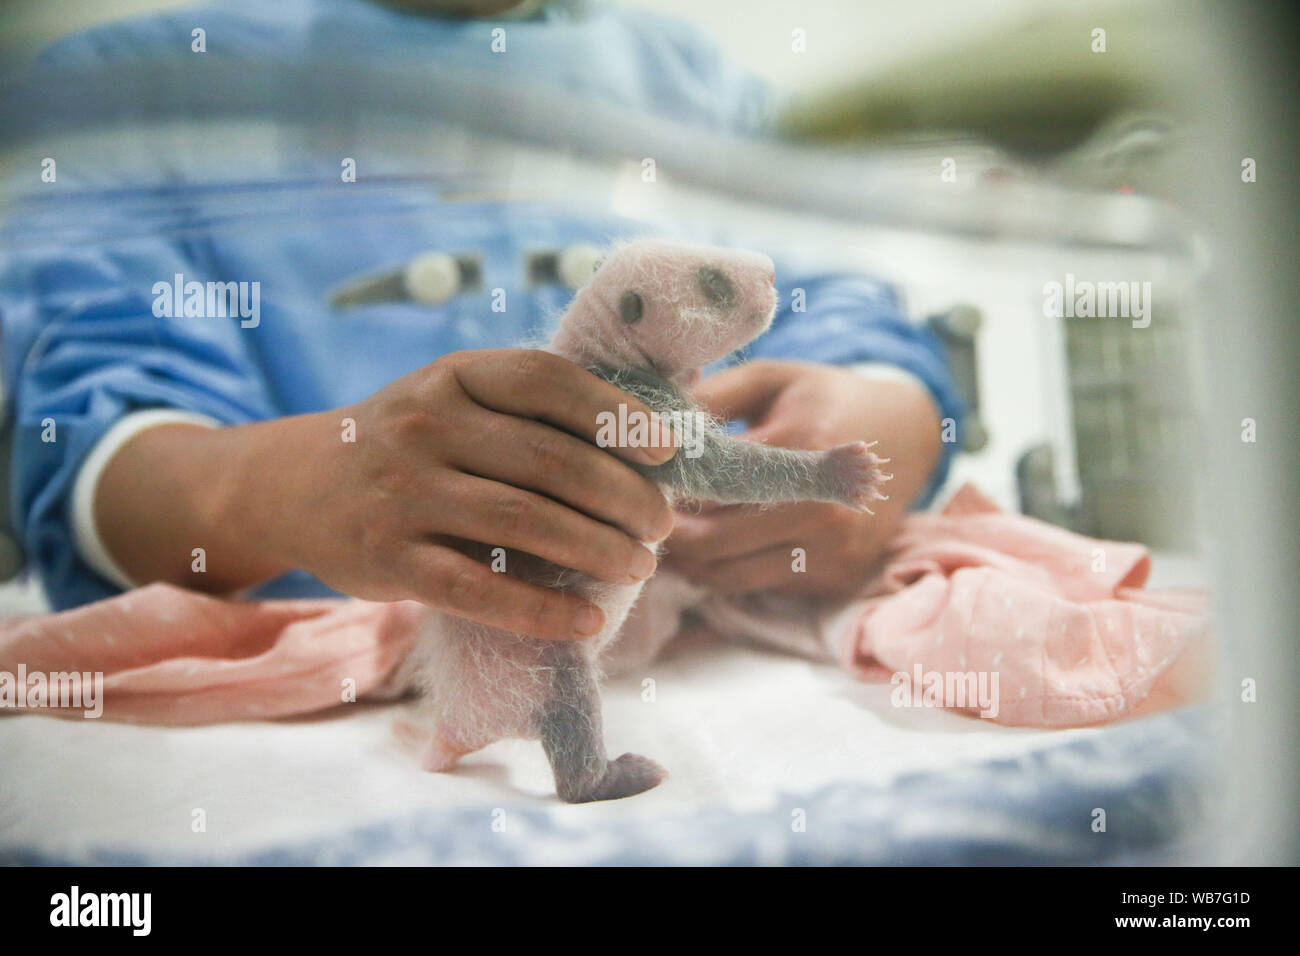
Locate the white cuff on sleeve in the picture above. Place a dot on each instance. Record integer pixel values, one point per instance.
(85, 530)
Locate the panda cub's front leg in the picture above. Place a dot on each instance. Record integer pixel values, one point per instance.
(734, 471)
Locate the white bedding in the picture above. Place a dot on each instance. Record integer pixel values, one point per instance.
(734, 726)
(747, 735)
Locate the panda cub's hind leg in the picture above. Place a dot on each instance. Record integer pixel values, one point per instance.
(433, 752)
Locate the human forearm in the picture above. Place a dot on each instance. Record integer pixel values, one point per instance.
(176, 488)
(903, 418)
(399, 496)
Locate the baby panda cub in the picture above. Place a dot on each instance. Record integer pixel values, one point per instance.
(651, 316)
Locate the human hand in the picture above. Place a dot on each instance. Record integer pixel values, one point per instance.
(738, 548)
(490, 447)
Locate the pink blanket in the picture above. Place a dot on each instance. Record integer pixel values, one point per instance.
(173, 656)
(1058, 624)
(1061, 620)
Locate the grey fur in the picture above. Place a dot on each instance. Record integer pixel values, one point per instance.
(480, 684)
(574, 740)
(729, 470)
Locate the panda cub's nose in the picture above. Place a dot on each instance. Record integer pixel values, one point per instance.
(717, 288)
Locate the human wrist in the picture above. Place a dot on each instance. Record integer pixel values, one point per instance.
(263, 502)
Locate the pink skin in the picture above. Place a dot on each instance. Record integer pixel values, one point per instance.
(675, 335)
(678, 331)
(693, 305)
(862, 477)
(435, 754)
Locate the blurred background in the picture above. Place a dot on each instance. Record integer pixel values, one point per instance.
(972, 153)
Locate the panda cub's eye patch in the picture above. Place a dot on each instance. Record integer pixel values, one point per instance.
(630, 307)
(717, 288)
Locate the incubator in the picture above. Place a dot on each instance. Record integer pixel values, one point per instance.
(443, 207)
